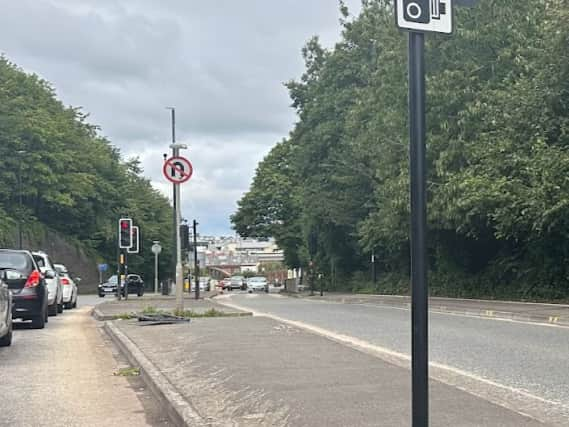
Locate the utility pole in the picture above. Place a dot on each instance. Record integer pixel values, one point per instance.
(196, 263)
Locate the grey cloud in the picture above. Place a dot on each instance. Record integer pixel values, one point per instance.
(222, 63)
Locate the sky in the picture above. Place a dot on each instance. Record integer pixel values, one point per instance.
(220, 63)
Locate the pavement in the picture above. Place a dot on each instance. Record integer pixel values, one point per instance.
(63, 375)
(109, 308)
(263, 371)
(519, 311)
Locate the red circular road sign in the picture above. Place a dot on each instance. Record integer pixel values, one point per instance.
(178, 170)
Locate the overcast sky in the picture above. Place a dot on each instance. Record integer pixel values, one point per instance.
(221, 63)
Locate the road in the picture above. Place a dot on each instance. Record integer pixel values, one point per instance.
(526, 357)
(63, 375)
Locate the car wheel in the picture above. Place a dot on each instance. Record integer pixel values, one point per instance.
(140, 292)
(101, 295)
(60, 307)
(52, 310)
(74, 303)
(39, 321)
(6, 340)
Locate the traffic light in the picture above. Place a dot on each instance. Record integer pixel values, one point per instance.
(125, 233)
(135, 248)
(185, 236)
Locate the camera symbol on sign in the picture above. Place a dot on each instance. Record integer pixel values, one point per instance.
(422, 11)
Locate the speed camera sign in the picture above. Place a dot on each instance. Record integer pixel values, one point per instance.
(434, 16)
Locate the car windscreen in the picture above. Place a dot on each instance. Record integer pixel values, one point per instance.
(16, 261)
(113, 280)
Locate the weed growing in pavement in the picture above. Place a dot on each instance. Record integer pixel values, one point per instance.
(127, 372)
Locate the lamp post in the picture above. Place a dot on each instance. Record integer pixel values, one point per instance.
(177, 219)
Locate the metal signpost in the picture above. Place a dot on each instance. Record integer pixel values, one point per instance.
(156, 250)
(419, 17)
(178, 170)
(102, 268)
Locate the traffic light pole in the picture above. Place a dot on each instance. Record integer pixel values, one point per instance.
(125, 275)
(419, 294)
(196, 265)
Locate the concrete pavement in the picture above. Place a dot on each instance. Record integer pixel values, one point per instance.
(254, 371)
(522, 365)
(63, 376)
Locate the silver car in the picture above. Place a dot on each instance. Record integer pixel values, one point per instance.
(68, 285)
(54, 289)
(5, 312)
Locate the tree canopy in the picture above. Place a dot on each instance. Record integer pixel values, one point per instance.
(498, 129)
(73, 180)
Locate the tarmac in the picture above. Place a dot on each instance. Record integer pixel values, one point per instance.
(509, 310)
(256, 371)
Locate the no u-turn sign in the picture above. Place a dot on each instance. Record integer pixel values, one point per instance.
(178, 169)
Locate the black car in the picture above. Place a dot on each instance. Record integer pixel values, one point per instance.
(134, 281)
(27, 284)
(5, 313)
(135, 284)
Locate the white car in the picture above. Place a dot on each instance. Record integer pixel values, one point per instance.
(257, 284)
(68, 285)
(54, 290)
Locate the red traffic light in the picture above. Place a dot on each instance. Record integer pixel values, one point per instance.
(124, 225)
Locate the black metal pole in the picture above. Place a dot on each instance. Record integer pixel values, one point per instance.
(125, 274)
(196, 266)
(373, 270)
(119, 272)
(419, 299)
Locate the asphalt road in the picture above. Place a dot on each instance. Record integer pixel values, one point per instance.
(63, 375)
(527, 357)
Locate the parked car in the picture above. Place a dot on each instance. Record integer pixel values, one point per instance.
(206, 283)
(69, 286)
(225, 283)
(109, 287)
(5, 312)
(193, 286)
(135, 285)
(237, 282)
(258, 283)
(54, 289)
(27, 284)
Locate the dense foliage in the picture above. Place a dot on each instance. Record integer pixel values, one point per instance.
(72, 179)
(498, 139)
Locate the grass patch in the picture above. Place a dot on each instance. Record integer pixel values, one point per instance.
(127, 372)
(212, 312)
(125, 316)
